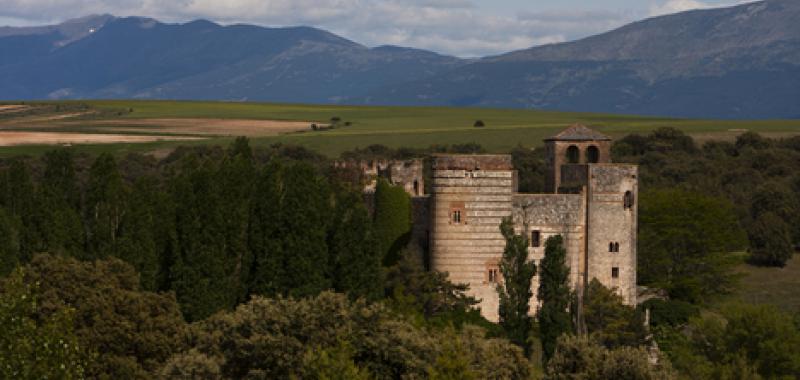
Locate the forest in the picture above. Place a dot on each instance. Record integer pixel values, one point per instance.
(267, 263)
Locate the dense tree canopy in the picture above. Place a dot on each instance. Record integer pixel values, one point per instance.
(685, 243)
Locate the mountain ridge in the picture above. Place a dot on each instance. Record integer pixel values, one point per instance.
(735, 62)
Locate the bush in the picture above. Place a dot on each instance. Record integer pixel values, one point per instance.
(582, 358)
(479, 124)
(770, 241)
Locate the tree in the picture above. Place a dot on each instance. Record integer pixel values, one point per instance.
(105, 207)
(130, 332)
(33, 346)
(19, 197)
(515, 290)
(738, 341)
(9, 244)
(582, 358)
(392, 220)
(770, 241)
(609, 321)
(145, 222)
(59, 221)
(554, 295)
(264, 232)
(685, 240)
(201, 274)
(356, 258)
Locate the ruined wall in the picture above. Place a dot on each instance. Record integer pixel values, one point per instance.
(610, 222)
(408, 174)
(553, 214)
(556, 156)
(471, 196)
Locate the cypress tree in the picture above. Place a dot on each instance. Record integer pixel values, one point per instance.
(355, 256)
(264, 232)
(554, 295)
(19, 197)
(137, 242)
(304, 220)
(515, 290)
(105, 206)
(9, 244)
(200, 273)
(392, 220)
(59, 220)
(235, 177)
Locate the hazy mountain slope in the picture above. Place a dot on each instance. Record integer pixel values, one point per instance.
(139, 57)
(739, 62)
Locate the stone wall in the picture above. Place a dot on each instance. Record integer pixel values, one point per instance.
(610, 222)
(550, 215)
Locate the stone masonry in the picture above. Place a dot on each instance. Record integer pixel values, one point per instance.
(589, 201)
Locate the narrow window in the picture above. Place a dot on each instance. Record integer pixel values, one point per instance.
(614, 272)
(616, 247)
(628, 200)
(491, 275)
(573, 154)
(611, 247)
(593, 154)
(457, 216)
(536, 238)
(416, 187)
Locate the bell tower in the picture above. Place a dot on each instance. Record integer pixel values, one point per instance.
(575, 145)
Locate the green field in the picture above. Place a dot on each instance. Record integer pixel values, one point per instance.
(415, 127)
(769, 285)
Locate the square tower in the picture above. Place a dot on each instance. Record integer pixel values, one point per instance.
(574, 145)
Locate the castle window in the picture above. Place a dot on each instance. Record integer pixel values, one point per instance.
(573, 154)
(416, 187)
(611, 247)
(614, 272)
(593, 154)
(616, 247)
(494, 276)
(457, 216)
(536, 238)
(457, 213)
(628, 200)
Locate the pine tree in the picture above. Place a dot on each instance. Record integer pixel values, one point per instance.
(515, 289)
(355, 256)
(554, 295)
(392, 220)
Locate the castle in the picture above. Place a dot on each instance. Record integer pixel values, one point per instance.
(589, 201)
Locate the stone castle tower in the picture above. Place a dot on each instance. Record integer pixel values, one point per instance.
(590, 201)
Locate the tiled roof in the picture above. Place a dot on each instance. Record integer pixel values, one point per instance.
(578, 132)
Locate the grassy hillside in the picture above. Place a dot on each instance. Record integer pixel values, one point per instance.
(775, 286)
(407, 126)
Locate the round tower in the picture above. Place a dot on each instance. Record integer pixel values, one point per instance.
(471, 196)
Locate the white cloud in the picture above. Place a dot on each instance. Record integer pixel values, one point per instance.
(454, 27)
(675, 6)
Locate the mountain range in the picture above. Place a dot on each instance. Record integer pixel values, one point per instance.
(739, 62)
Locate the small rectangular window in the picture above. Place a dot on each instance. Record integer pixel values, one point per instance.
(457, 217)
(536, 238)
(615, 272)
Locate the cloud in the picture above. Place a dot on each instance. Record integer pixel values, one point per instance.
(675, 6)
(455, 27)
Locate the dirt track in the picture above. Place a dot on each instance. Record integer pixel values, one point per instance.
(8, 138)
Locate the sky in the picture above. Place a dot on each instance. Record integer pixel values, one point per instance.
(464, 28)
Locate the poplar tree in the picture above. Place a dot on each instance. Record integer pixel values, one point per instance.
(554, 295)
(9, 244)
(515, 289)
(264, 231)
(19, 197)
(140, 226)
